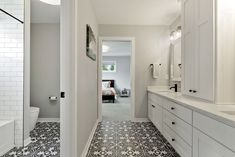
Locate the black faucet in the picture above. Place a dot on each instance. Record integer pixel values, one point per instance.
(175, 87)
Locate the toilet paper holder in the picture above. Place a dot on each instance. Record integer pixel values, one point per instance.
(53, 98)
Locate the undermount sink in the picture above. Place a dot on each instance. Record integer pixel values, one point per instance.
(167, 91)
(171, 93)
(229, 112)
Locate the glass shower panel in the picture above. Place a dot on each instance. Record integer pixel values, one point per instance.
(12, 67)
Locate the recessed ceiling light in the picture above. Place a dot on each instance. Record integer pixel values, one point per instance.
(51, 2)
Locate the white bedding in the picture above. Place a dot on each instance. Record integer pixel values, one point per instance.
(108, 91)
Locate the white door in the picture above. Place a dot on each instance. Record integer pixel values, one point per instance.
(67, 80)
(204, 146)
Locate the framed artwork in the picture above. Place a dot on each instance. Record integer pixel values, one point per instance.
(109, 66)
(90, 43)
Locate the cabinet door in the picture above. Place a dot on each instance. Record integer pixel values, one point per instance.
(150, 111)
(204, 146)
(188, 46)
(158, 114)
(204, 49)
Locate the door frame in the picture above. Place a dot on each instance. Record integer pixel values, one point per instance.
(132, 69)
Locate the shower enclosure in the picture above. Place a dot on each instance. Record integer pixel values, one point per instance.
(11, 74)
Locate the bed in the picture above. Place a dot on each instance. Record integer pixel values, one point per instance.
(108, 90)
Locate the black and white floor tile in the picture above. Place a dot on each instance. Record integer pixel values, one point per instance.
(45, 142)
(129, 139)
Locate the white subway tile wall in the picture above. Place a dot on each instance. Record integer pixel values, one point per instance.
(12, 65)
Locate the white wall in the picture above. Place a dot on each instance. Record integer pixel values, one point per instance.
(45, 68)
(122, 75)
(86, 76)
(12, 66)
(152, 45)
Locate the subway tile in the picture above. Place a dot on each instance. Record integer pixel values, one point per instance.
(11, 66)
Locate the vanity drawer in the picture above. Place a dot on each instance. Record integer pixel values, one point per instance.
(181, 128)
(177, 142)
(219, 131)
(178, 110)
(154, 99)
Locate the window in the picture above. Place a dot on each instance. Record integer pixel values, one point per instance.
(109, 66)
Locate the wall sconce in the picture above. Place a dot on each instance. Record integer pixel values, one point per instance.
(175, 34)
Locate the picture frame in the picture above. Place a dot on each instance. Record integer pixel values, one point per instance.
(109, 67)
(91, 46)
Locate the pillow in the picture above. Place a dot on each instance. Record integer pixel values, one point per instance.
(106, 84)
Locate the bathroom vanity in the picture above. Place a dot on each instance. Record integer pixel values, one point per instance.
(193, 127)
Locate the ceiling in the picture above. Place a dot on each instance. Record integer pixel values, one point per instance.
(44, 13)
(116, 48)
(136, 12)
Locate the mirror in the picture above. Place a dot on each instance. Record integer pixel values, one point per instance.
(176, 60)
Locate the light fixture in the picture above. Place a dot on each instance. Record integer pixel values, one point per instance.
(51, 2)
(175, 34)
(105, 48)
(172, 37)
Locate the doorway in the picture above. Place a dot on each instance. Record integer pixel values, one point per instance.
(116, 79)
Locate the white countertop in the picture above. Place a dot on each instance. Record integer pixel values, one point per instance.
(209, 109)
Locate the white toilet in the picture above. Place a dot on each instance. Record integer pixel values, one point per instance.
(34, 112)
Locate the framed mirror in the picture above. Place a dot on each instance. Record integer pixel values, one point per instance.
(176, 60)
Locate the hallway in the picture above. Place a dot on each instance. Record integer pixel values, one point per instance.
(129, 139)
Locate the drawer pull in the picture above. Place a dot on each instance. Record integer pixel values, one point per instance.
(172, 108)
(153, 106)
(173, 123)
(173, 139)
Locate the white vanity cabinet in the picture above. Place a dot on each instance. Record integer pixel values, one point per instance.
(150, 110)
(198, 48)
(173, 121)
(214, 138)
(204, 146)
(188, 47)
(155, 110)
(208, 71)
(190, 133)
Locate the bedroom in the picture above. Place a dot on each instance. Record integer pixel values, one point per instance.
(116, 79)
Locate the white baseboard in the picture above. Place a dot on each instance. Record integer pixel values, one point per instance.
(27, 141)
(141, 120)
(48, 119)
(85, 150)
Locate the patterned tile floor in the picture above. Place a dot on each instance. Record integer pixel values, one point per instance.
(45, 142)
(128, 139)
